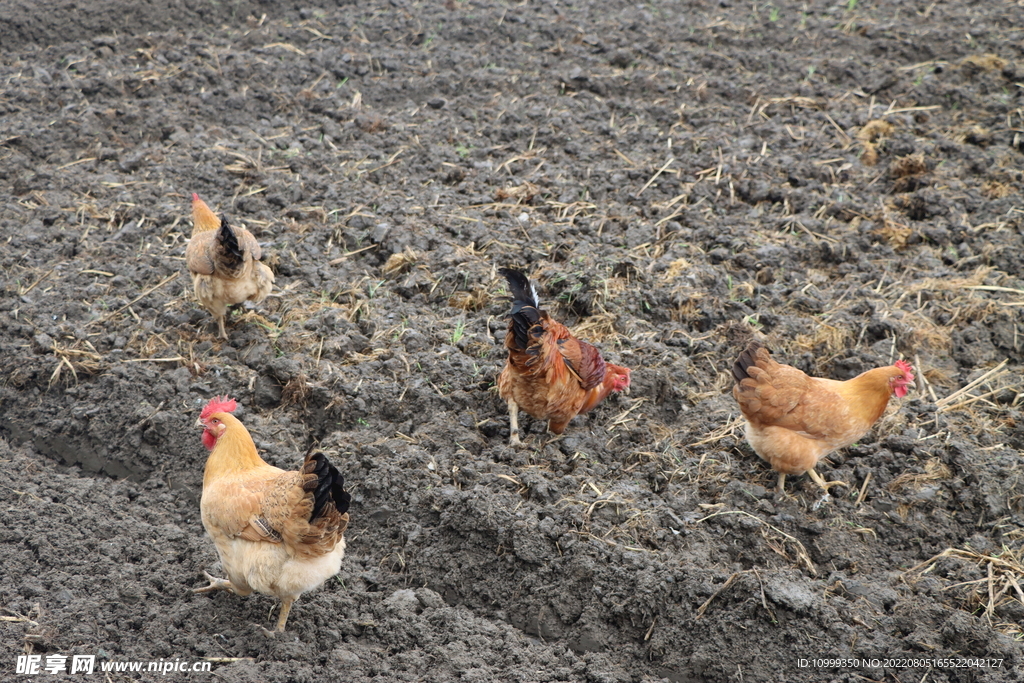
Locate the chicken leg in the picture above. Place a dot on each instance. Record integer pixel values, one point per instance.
(513, 424)
(286, 607)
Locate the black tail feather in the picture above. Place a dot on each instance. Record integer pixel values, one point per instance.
(232, 254)
(329, 485)
(745, 360)
(519, 284)
(525, 305)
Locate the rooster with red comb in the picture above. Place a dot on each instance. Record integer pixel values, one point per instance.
(278, 533)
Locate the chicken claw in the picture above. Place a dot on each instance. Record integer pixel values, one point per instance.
(820, 481)
(282, 618)
(215, 585)
(780, 488)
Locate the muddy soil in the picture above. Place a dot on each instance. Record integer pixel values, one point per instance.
(844, 179)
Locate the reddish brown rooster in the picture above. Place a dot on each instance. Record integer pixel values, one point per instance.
(550, 374)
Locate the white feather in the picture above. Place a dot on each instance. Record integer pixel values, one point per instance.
(533, 295)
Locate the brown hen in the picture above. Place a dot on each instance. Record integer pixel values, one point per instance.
(276, 532)
(794, 420)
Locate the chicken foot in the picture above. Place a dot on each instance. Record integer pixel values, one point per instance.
(820, 481)
(245, 305)
(817, 478)
(286, 607)
(216, 584)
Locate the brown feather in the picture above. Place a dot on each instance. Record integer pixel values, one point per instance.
(794, 420)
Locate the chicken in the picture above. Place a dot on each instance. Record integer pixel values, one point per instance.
(278, 533)
(550, 374)
(794, 420)
(224, 261)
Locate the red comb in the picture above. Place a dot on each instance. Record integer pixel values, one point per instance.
(195, 197)
(218, 404)
(906, 368)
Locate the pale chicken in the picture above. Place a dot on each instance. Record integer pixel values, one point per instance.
(224, 261)
(278, 533)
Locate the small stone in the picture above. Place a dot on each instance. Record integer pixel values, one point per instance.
(42, 342)
(403, 600)
(346, 658)
(429, 598)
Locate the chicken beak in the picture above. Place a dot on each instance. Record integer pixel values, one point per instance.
(199, 423)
